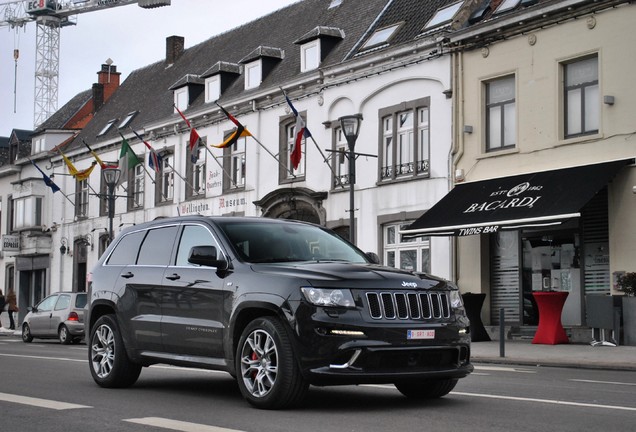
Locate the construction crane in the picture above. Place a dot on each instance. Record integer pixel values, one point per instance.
(50, 16)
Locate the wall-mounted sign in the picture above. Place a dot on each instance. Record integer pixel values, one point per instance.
(10, 243)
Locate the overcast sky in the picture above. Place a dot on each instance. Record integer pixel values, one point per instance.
(129, 35)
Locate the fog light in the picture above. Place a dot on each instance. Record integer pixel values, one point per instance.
(463, 331)
(346, 333)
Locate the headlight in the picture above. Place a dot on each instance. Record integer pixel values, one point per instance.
(328, 297)
(456, 299)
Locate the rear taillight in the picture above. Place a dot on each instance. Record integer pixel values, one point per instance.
(73, 316)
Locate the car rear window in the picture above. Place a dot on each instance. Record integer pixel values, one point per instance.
(80, 301)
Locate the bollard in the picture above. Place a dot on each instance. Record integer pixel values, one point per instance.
(502, 333)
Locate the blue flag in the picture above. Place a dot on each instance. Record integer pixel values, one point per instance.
(47, 180)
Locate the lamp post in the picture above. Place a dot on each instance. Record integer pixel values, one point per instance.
(351, 128)
(111, 174)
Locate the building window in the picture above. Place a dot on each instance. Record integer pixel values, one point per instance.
(405, 140)
(501, 129)
(253, 75)
(310, 56)
(81, 198)
(381, 36)
(288, 134)
(341, 161)
(581, 99)
(234, 165)
(27, 212)
(443, 16)
(411, 255)
(136, 197)
(212, 88)
(165, 185)
(196, 173)
(126, 121)
(106, 127)
(181, 99)
(38, 145)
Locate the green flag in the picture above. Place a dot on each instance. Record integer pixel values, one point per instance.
(127, 160)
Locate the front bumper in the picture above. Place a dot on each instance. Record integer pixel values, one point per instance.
(346, 348)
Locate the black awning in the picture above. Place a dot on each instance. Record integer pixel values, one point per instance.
(535, 199)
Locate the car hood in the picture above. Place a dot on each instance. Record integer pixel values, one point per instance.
(353, 275)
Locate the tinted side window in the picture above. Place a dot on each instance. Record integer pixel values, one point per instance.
(157, 246)
(126, 250)
(80, 301)
(193, 235)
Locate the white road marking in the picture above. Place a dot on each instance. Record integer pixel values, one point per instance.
(546, 401)
(178, 425)
(603, 382)
(42, 403)
(503, 369)
(43, 357)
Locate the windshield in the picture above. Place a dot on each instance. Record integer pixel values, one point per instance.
(272, 242)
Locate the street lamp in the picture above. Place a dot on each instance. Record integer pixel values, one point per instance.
(111, 174)
(351, 128)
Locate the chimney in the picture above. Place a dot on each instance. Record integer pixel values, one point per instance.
(98, 96)
(108, 77)
(174, 48)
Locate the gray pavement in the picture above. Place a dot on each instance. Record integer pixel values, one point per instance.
(523, 352)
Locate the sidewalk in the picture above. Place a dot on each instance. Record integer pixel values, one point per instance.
(562, 355)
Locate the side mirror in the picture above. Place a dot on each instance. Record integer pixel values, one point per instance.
(206, 256)
(373, 257)
(32, 309)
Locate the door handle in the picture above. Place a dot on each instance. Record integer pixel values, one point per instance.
(173, 277)
(127, 275)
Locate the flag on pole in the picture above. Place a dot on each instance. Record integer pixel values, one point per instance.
(99, 161)
(301, 132)
(241, 131)
(78, 175)
(195, 139)
(127, 160)
(47, 180)
(154, 158)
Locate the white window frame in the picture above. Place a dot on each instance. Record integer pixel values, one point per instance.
(167, 179)
(253, 74)
(126, 121)
(108, 126)
(81, 204)
(138, 187)
(342, 161)
(500, 113)
(310, 56)
(381, 36)
(290, 133)
(582, 113)
(212, 88)
(181, 99)
(237, 163)
(443, 15)
(27, 212)
(395, 249)
(198, 173)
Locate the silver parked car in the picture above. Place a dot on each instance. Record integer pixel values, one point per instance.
(60, 315)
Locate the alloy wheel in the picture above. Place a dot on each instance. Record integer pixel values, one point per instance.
(103, 351)
(259, 363)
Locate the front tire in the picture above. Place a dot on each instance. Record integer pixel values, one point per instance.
(426, 389)
(269, 376)
(109, 363)
(26, 334)
(64, 335)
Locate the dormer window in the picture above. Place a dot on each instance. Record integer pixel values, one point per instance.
(181, 98)
(212, 88)
(186, 90)
(106, 127)
(316, 44)
(381, 36)
(310, 56)
(443, 16)
(507, 5)
(259, 63)
(253, 74)
(218, 78)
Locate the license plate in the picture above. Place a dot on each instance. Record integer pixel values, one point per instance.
(420, 334)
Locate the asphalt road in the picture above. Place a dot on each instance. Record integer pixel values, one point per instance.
(47, 387)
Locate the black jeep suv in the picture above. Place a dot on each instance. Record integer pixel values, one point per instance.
(277, 304)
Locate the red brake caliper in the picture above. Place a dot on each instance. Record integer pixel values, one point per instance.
(254, 357)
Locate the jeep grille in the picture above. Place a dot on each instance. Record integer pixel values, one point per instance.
(408, 305)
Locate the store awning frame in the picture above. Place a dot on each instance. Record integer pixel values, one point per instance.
(539, 199)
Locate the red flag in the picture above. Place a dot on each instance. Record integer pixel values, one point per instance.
(195, 139)
(301, 132)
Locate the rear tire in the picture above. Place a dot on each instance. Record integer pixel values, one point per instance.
(107, 358)
(64, 335)
(426, 389)
(269, 375)
(26, 333)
